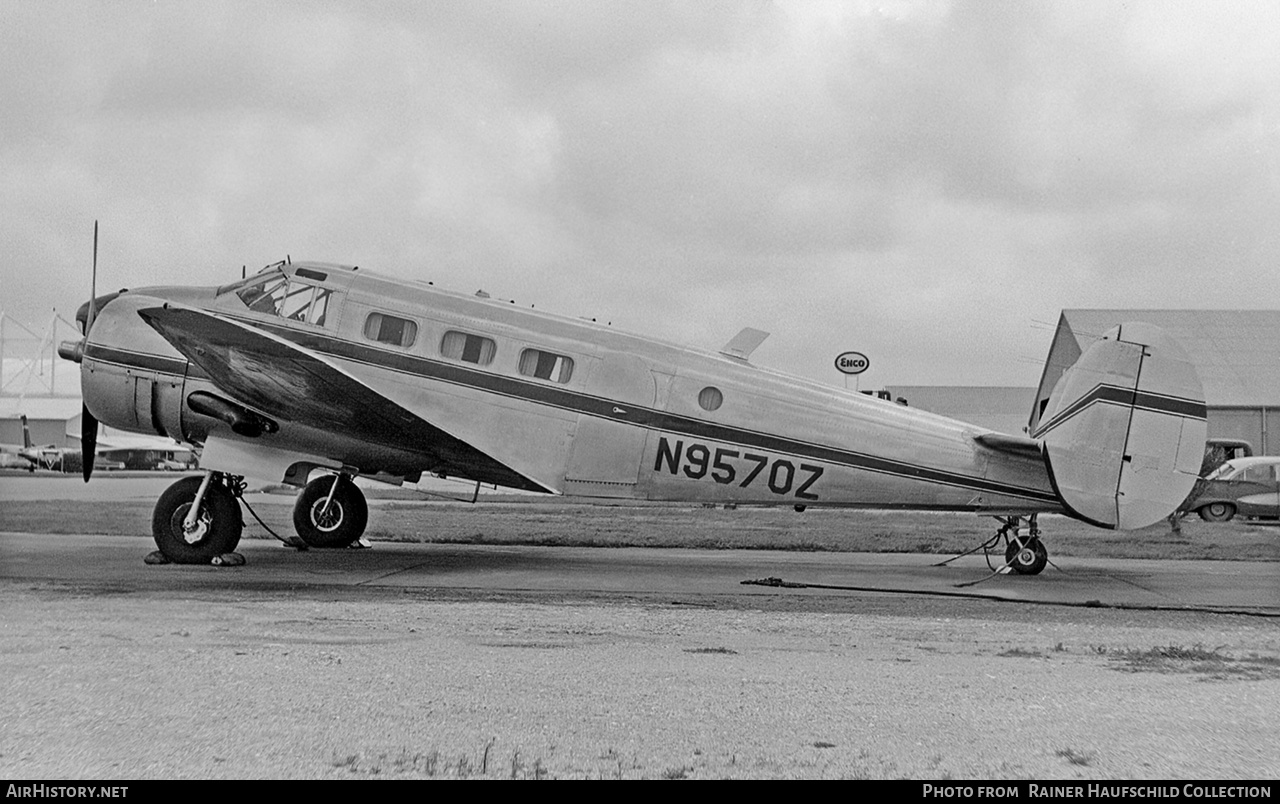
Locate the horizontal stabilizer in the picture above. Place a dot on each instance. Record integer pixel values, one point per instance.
(1012, 445)
(1124, 429)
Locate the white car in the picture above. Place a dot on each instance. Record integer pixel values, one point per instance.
(1249, 487)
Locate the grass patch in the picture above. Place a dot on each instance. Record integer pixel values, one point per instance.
(431, 764)
(1021, 653)
(576, 523)
(1208, 662)
(1081, 758)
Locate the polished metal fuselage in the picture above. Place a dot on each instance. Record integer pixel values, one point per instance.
(632, 421)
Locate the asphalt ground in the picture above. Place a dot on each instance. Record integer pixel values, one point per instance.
(456, 660)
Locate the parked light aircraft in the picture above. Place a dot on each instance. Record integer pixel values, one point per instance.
(316, 366)
(70, 459)
(25, 451)
(48, 456)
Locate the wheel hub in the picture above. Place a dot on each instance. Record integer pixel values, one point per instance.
(328, 518)
(196, 534)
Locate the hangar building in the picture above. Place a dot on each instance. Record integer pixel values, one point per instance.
(1003, 409)
(47, 417)
(1236, 352)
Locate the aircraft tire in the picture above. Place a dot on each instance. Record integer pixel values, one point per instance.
(220, 522)
(1217, 512)
(345, 521)
(1030, 559)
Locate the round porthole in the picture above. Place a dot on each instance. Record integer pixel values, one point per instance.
(710, 398)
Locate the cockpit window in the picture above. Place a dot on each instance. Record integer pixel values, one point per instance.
(287, 297)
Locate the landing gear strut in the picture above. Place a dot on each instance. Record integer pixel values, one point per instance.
(330, 512)
(197, 519)
(1025, 555)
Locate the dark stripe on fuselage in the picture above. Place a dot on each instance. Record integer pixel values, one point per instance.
(574, 401)
(146, 361)
(1127, 397)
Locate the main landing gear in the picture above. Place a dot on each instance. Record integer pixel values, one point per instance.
(330, 512)
(197, 520)
(1024, 555)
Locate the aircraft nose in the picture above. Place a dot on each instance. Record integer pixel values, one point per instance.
(74, 350)
(82, 314)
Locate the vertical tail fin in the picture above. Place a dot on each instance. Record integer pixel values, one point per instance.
(1124, 429)
(26, 433)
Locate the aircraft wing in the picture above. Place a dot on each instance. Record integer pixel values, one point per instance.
(292, 383)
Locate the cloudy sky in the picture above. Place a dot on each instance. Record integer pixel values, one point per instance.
(927, 182)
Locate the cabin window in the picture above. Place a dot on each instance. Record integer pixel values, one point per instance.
(390, 329)
(288, 298)
(545, 365)
(710, 398)
(467, 347)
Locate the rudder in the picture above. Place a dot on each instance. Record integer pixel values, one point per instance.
(1124, 429)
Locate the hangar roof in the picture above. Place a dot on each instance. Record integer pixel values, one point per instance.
(1003, 409)
(1237, 352)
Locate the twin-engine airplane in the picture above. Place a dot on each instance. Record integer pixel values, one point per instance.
(48, 456)
(27, 451)
(307, 367)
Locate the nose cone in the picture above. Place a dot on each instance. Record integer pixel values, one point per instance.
(82, 314)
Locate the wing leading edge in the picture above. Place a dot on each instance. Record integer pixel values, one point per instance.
(292, 383)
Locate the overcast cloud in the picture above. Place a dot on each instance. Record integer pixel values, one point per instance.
(926, 182)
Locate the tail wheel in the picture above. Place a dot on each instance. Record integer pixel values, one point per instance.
(1217, 512)
(217, 527)
(323, 521)
(1028, 557)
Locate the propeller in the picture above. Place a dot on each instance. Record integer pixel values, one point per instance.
(88, 422)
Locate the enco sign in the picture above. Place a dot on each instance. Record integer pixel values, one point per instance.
(852, 363)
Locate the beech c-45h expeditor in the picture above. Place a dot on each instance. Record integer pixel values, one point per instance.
(305, 367)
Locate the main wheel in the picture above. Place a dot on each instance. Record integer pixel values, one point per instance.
(1217, 512)
(217, 528)
(1028, 558)
(337, 525)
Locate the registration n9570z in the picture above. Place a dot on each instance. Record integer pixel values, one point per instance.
(743, 468)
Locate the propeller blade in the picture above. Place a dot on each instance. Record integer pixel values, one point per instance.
(88, 441)
(93, 286)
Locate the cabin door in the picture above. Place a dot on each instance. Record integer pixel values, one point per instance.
(609, 442)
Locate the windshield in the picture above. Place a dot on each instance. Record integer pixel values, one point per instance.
(260, 276)
(287, 297)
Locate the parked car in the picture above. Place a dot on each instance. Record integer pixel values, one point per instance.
(1240, 487)
(170, 465)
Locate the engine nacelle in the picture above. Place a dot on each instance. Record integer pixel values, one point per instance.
(131, 378)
